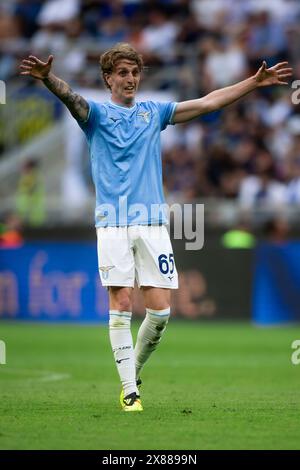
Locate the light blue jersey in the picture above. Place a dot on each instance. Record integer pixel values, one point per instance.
(125, 153)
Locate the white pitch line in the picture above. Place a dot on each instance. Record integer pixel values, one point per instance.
(45, 376)
(53, 376)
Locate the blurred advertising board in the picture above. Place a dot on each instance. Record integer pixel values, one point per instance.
(60, 282)
(277, 284)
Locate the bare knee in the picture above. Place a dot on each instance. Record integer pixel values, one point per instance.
(120, 298)
(156, 298)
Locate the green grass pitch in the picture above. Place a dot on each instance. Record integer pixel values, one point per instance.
(209, 386)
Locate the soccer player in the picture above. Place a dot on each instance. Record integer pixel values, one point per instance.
(133, 243)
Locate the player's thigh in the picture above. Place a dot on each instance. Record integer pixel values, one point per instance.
(154, 258)
(115, 257)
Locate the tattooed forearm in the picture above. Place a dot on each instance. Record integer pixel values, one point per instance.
(77, 105)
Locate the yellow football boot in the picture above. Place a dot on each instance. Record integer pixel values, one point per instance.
(131, 403)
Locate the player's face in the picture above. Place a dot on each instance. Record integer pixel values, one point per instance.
(124, 82)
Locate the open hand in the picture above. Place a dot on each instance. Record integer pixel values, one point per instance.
(35, 67)
(274, 75)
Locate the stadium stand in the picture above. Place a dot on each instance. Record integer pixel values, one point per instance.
(245, 158)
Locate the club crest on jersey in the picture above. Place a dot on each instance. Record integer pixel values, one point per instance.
(105, 271)
(145, 115)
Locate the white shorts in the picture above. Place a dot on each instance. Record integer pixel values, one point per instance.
(138, 252)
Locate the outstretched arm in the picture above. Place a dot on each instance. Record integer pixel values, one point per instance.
(187, 110)
(34, 67)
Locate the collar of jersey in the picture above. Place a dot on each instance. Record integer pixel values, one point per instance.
(122, 107)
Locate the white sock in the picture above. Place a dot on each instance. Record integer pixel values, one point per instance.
(122, 346)
(149, 335)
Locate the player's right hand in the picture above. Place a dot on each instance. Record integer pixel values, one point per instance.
(35, 67)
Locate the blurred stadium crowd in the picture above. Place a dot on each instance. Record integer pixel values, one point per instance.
(249, 152)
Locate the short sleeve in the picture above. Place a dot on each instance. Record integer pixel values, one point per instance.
(89, 125)
(166, 113)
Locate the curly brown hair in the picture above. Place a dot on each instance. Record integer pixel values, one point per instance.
(120, 51)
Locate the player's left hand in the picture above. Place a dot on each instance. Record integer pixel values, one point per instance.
(275, 75)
